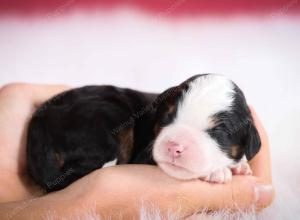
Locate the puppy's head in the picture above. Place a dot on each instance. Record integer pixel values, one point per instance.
(202, 125)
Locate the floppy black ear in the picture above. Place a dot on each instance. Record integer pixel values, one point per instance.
(251, 141)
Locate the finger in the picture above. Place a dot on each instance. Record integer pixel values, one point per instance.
(261, 163)
(243, 193)
(40, 93)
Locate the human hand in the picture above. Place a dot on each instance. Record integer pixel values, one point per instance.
(133, 183)
(126, 187)
(17, 103)
(107, 190)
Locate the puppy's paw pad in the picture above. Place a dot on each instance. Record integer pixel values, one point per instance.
(220, 176)
(242, 168)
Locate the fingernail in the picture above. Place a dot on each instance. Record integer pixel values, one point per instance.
(263, 195)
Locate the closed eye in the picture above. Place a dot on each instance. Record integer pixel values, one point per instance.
(167, 118)
(221, 128)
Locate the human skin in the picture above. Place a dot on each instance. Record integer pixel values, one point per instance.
(112, 191)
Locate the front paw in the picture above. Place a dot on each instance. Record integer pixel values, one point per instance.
(220, 176)
(241, 168)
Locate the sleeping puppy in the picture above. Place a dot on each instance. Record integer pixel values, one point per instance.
(205, 130)
(201, 128)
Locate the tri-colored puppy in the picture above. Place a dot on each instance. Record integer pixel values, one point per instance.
(201, 128)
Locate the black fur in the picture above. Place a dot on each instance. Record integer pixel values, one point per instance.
(79, 130)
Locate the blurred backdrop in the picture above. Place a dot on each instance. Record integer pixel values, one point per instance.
(152, 45)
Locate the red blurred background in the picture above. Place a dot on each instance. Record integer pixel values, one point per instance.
(187, 7)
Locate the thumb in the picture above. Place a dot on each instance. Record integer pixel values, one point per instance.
(244, 192)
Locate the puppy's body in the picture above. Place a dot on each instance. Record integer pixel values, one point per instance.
(80, 130)
(201, 128)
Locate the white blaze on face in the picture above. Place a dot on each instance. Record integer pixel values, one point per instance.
(184, 149)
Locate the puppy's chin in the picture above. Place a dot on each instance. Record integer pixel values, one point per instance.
(179, 172)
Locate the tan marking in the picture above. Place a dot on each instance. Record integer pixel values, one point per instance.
(171, 109)
(234, 151)
(126, 145)
(59, 159)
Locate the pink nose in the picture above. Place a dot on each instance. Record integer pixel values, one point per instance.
(175, 150)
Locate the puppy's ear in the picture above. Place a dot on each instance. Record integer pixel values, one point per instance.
(251, 141)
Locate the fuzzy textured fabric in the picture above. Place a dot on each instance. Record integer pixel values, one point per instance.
(126, 48)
